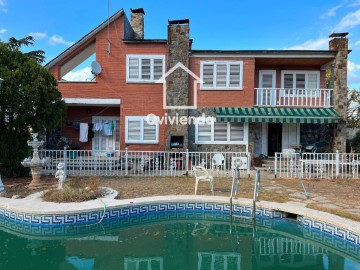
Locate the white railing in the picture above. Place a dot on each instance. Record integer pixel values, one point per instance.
(317, 165)
(285, 97)
(144, 163)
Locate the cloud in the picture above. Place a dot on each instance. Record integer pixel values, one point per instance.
(317, 44)
(349, 21)
(2, 30)
(331, 12)
(354, 4)
(3, 5)
(353, 72)
(79, 75)
(56, 39)
(37, 35)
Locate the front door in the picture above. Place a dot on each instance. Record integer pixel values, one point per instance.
(290, 135)
(274, 138)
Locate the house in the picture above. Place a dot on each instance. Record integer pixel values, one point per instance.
(263, 100)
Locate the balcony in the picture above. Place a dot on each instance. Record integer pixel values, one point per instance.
(287, 97)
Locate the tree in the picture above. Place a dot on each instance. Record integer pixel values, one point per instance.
(354, 108)
(29, 101)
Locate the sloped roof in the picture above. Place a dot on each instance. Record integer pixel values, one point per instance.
(84, 39)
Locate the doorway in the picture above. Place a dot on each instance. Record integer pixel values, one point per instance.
(275, 138)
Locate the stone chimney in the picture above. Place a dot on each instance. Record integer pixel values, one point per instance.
(178, 81)
(137, 22)
(339, 43)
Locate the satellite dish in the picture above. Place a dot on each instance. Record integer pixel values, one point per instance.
(95, 68)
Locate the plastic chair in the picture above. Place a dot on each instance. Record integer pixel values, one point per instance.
(201, 174)
(218, 160)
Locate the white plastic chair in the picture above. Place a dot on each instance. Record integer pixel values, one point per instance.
(218, 160)
(201, 174)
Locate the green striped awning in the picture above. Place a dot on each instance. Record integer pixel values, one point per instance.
(277, 115)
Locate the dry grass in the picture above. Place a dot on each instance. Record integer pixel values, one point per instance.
(75, 190)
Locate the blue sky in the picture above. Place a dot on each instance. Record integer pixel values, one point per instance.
(230, 24)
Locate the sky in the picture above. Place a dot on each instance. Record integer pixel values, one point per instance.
(222, 25)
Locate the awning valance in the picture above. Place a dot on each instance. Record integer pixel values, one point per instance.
(277, 115)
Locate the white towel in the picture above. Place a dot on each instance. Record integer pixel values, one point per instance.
(84, 129)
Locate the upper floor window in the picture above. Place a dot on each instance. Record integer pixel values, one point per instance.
(141, 129)
(300, 80)
(144, 68)
(221, 75)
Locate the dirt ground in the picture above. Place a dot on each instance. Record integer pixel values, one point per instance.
(340, 197)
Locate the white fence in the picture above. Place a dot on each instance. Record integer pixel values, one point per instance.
(144, 163)
(285, 97)
(317, 165)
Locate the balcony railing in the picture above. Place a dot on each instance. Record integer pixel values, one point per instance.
(287, 97)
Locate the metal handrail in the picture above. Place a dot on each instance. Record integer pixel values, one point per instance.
(256, 191)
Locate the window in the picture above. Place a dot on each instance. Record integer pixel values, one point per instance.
(300, 80)
(218, 261)
(144, 68)
(221, 75)
(220, 133)
(141, 129)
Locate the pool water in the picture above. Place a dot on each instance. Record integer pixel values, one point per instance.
(174, 241)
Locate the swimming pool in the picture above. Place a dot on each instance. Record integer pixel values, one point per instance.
(174, 240)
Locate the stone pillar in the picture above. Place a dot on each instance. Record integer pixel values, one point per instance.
(177, 83)
(137, 22)
(339, 43)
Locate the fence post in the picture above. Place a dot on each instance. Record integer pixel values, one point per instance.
(65, 165)
(187, 162)
(337, 164)
(126, 161)
(275, 167)
(248, 163)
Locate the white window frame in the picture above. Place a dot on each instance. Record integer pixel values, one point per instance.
(141, 141)
(152, 57)
(227, 63)
(212, 141)
(294, 72)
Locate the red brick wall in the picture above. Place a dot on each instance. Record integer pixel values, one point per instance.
(135, 98)
(230, 98)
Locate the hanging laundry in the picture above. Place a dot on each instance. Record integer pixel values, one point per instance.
(107, 131)
(91, 132)
(98, 126)
(84, 129)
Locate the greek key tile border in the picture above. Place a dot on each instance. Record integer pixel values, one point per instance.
(122, 212)
(328, 229)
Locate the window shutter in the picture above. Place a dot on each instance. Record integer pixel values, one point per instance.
(204, 133)
(145, 69)
(235, 75)
(221, 75)
(158, 69)
(236, 132)
(208, 75)
(134, 130)
(220, 132)
(149, 131)
(133, 68)
(312, 81)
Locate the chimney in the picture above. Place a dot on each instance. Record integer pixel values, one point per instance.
(177, 83)
(137, 22)
(339, 43)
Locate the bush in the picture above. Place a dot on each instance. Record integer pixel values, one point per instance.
(75, 191)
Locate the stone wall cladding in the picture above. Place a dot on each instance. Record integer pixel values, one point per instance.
(177, 83)
(137, 23)
(340, 90)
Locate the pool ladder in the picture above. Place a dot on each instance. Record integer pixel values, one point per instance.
(235, 189)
